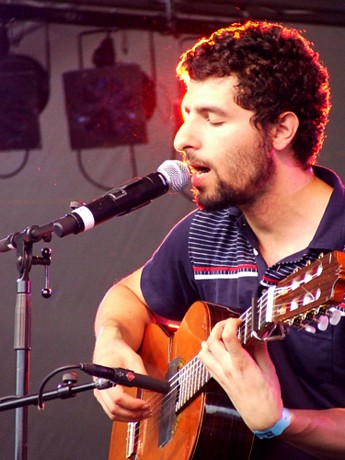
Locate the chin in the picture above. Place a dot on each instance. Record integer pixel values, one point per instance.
(209, 204)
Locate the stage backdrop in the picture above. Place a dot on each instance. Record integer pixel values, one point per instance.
(84, 266)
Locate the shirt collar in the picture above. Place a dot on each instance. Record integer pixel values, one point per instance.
(330, 234)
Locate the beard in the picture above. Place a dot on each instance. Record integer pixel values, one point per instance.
(243, 191)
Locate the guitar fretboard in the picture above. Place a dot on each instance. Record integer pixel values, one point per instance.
(189, 380)
(193, 376)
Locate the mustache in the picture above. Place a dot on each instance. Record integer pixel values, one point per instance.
(196, 164)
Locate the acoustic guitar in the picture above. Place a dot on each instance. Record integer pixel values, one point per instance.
(195, 419)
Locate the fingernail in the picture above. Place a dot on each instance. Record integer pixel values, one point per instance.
(147, 413)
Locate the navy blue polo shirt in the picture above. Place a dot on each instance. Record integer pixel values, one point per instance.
(214, 257)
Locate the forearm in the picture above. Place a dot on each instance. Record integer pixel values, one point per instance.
(125, 319)
(122, 316)
(119, 327)
(320, 433)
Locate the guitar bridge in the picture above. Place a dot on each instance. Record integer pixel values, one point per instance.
(131, 443)
(133, 435)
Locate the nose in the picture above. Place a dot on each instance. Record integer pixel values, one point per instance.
(185, 138)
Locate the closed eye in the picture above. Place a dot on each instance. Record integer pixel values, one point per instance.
(215, 122)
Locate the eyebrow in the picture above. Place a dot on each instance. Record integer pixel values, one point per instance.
(206, 109)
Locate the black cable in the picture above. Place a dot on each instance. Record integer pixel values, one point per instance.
(48, 377)
(20, 167)
(87, 176)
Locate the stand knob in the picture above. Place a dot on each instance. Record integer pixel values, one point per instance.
(46, 293)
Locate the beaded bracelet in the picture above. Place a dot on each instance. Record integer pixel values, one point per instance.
(278, 428)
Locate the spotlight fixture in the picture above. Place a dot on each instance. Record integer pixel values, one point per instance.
(24, 93)
(108, 105)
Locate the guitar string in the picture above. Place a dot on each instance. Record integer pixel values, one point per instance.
(175, 383)
(158, 402)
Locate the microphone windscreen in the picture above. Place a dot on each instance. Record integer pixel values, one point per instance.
(176, 173)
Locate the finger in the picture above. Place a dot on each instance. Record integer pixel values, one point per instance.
(211, 363)
(121, 406)
(224, 335)
(262, 357)
(217, 330)
(209, 357)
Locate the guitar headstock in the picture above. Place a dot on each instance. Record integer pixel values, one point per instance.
(320, 284)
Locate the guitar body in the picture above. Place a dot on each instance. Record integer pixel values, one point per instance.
(207, 426)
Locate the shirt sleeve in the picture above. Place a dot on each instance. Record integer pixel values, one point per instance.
(167, 280)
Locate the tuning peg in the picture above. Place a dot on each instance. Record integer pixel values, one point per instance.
(322, 322)
(333, 314)
(335, 317)
(309, 328)
(305, 323)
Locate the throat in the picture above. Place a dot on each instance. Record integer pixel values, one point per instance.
(283, 236)
(286, 224)
(274, 254)
(286, 239)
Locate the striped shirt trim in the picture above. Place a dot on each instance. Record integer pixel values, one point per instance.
(225, 269)
(236, 275)
(217, 249)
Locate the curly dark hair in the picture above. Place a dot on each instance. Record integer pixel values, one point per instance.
(277, 70)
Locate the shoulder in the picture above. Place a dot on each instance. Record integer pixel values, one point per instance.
(329, 176)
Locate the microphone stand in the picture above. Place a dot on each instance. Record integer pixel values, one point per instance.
(68, 389)
(119, 201)
(23, 242)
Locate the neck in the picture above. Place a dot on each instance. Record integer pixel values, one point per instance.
(286, 217)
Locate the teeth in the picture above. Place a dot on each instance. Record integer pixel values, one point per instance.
(199, 170)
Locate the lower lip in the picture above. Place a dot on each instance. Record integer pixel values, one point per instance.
(198, 179)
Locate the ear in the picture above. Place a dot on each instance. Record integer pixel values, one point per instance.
(284, 131)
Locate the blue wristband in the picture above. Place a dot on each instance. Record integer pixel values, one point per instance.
(278, 428)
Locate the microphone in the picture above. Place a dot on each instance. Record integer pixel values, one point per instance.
(126, 377)
(172, 175)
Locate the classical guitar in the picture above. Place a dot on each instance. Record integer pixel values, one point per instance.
(196, 420)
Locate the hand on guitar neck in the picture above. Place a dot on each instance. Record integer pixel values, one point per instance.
(249, 379)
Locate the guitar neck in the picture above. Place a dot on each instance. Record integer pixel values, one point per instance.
(255, 319)
(191, 379)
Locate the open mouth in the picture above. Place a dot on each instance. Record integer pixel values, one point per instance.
(199, 170)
